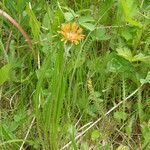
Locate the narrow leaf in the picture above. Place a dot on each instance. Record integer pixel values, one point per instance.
(4, 73)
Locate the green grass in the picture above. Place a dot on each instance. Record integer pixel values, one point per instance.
(97, 98)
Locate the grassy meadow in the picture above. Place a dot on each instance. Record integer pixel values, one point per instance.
(74, 75)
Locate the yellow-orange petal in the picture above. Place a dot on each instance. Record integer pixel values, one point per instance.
(71, 33)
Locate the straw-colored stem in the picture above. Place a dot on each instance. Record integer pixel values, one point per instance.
(18, 26)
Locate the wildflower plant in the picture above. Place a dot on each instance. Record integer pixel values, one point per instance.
(72, 34)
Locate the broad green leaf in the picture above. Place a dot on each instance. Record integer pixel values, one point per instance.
(4, 73)
(119, 64)
(69, 16)
(141, 57)
(86, 19)
(88, 26)
(100, 35)
(125, 52)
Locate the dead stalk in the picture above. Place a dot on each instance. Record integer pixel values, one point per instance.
(17, 25)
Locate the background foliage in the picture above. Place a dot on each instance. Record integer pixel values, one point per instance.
(45, 102)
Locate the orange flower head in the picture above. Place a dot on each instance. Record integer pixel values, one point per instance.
(71, 33)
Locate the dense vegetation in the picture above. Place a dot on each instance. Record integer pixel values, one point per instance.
(91, 95)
